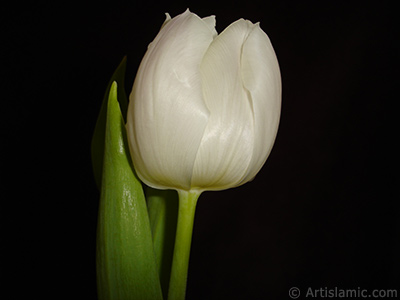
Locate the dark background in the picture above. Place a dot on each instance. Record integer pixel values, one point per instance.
(323, 211)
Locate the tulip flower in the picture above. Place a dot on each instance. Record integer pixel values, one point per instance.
(203, 115)
(204, 108)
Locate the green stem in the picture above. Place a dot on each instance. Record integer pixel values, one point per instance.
(183, 240)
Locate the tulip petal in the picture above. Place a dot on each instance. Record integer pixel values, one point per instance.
(261, 77)
(167, 114)
(227, 145)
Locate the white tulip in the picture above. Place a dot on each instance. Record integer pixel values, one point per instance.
(204, 109)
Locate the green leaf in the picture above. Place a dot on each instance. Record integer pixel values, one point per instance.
(125, 259)
(97, 147)
(163, 212)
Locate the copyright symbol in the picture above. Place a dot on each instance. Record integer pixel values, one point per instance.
(294, 293)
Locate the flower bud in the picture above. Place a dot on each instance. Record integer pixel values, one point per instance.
(204, 109)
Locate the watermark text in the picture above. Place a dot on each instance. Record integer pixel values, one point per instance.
(335, 292)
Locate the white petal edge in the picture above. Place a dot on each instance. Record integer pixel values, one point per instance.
(210, 21)
(262, 78)
(167, 19)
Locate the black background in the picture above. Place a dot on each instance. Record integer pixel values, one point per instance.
(323, 211)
